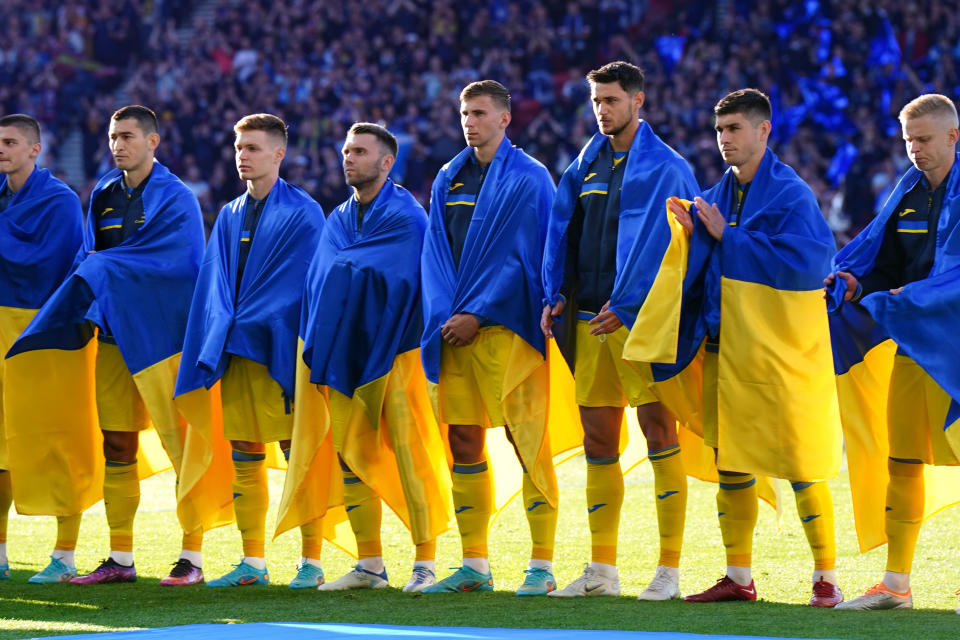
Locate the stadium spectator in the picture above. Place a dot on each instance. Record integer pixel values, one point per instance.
(836, 72)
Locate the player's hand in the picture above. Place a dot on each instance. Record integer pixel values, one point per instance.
(896, 291)
(460, 330)
(550, 315)
(606, 321)
(847, 277)
(680, 213)
(711, 218)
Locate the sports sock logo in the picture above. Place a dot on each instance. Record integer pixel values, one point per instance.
(351, 507)
(536, 504)
(594, 507)
(810, 517)
(463, 508)
(666, 494)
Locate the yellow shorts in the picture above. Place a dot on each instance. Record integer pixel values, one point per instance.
(255, 408)
(602, 377)
(119, 405)
(710, 398)
(916, 411)
(471, 378)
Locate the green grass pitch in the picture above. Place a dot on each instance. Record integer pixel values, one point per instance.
(782, 568)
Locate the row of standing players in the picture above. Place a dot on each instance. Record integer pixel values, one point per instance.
(475, 292)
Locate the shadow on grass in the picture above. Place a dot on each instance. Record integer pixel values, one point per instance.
(36, 610)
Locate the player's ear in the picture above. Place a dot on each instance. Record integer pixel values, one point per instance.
(386, 162)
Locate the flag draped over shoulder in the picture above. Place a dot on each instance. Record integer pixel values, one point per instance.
(921, 321)
(139, 291)
(654, 172)
(764, 280)
(51, 448)
(499, 273)
(259, 321)
(362, 307)
(41, 230)
(360, 324)
(499, 279)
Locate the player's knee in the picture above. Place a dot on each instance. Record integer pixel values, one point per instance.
(248, 447)
(601, 431)
(466, 443)
(658, 425)
(120, 446)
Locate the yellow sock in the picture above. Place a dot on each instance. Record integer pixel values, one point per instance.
(250, 500)
(121, 497)
(68, 530)
(311, 539)
(473, 505)
(737, 512)
(6, 499)
(192, 541)
(364, 508)
(426, 551)
(604, 499)
(905, 497)
(542, 519)
(670, 486)
(815, 508)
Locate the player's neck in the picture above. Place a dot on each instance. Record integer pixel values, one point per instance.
(18, 178)
(936, 177)
(744, 173)
(365, 193)
(259, 188)
(623, 140)
(485, 154)
(135, 176)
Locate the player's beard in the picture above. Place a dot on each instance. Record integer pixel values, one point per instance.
(360, 180)
(618, 130)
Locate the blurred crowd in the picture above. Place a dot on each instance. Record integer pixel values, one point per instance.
(837, 73)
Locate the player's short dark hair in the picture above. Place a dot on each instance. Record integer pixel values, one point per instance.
(27, 125)
(386, 139)
(497, 92)
(753, 104)
(628, 76)
(146, 118)
(271, 124)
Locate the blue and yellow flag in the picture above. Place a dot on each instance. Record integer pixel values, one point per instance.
(920, 322)
(52, 449)
(139, 291)
(361, 325)
(499, 279)
(760, 291)
(258, 319)
(654, 172)
(362, 302)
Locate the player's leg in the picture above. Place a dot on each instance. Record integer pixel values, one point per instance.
(670, 492)
(815, 508)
